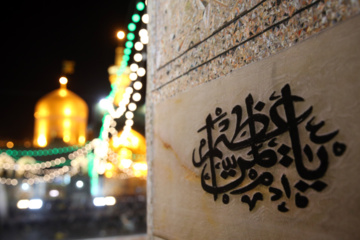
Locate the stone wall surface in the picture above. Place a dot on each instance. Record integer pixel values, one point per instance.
(204, 56)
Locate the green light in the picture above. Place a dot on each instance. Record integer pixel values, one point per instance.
(130, 36)
(140, 6)
(129, 44)
(131, 27)
(127, 51)
(126, 58)
(135, 18)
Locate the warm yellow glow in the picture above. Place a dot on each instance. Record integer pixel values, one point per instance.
(63, 80)
(62, 92)
(67, 123)
(60, 114)
(66, 138)
(125, 163)
(120, 35)
(108, 174)
(130, 140)
(10, 144)
(67, 111)
(140, 169)
(82, 139)
(109, 166)
(41, 141)
(125, 153)
(140, 166)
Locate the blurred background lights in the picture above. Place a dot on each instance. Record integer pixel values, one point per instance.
(129, 44)
(120, 35)
(129, 90)
(109, 166)
(135, 18)
(99, 201)
(129, 115)
(63, 80)
(35, 204)
(110, 201)
(132, 106)
(136, 97)
(125, 163)
(144, 39)
(79, 184)
(131, 27)
(133, 76)
(140, 6)
(138, 46)
(42, 142)
(23, 204)
(53, 193)
(130, 36)
(145, 18)
(105, 159)
(129, 122)
(138, 57)
(9, 144)
(127, 51)
(104, 104)
(143, 33)
(25, 186)
(141, 72)
(137, 85)
(134, 67)
(104, 201)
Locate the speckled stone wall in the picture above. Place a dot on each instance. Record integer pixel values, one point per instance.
(195, 42)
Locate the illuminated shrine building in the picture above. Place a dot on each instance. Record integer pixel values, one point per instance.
(61, 114)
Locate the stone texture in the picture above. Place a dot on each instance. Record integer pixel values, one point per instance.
(258, 30)
(206, 54)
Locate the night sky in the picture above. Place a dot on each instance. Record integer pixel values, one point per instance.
(38, 37)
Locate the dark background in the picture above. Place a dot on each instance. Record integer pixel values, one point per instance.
(37, 36)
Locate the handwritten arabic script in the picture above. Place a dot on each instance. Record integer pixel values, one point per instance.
(253, 149)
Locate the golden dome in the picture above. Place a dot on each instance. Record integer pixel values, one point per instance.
(60, 114)
(131, 140)
(131, 149)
